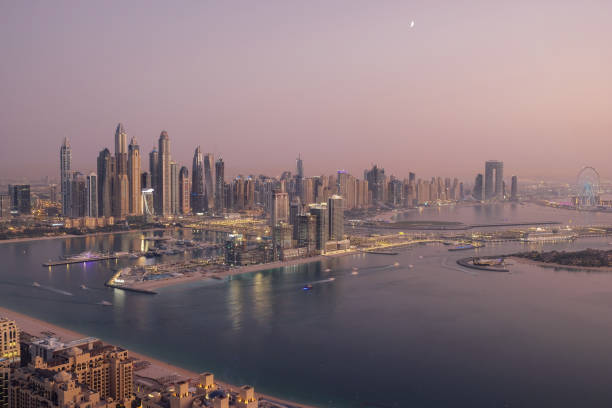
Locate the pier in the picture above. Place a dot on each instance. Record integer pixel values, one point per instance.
(80, 260)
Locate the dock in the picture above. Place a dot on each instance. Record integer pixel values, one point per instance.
(76, 261)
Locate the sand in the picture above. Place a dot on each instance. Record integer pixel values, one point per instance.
(157, 369)
(161, 283)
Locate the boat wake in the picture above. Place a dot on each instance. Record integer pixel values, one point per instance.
(322, 281)
(51, 289)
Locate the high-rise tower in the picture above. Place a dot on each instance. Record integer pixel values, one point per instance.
(91, 201)
(135, 199)
(209, 180)
(65, 164)
(280, 208)
(197, 182)
(514, 189)
(163, 176)
(219, 185)
(335, 207)
(174, 188)
(153, 169)
(477, 192)
(493, 187)
(105, 183)
(184, 191)
(121, 188)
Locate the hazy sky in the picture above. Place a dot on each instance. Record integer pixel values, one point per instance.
(344, 83)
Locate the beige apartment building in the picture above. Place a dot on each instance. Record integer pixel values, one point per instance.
(106, 369)
(31, 388)
(9, 341)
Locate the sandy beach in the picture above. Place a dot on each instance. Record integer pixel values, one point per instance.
(157, 369)
(161, 283)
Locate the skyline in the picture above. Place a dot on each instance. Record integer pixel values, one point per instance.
(519, 83)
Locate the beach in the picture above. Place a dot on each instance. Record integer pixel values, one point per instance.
(197, 276)
(156, 370)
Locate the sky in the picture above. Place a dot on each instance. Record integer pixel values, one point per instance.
(342, 83)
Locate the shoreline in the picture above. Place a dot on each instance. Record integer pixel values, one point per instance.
(528, 261)
(66, 236)
(162, 283)
(37, 327)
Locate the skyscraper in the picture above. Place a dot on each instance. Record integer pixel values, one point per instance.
(335, 207)
(20, 198)
(135, 195)
(514, 189)
(91, 190)
(184, 191)
(105, 182)
(163, 178)
(280, 208)
(209, 180)
(376, 183)
(121, 188)
(174, 188)
(493, 188)
(153, 169)
(477, 192)
(65, 164)
(319, 211)
(219, 185)
(299, 179)
(78, 195)
(197, 182)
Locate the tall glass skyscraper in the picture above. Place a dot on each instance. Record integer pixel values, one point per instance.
(197, 182)
(65, 164)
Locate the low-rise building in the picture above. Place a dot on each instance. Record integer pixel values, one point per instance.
(35, 388)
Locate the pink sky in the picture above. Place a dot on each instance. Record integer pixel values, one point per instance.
(344, 83)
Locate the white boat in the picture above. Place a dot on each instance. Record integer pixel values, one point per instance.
(396, 264)
(84, 287)
(105, 303)
(327, 270)
(411, 266)
(36, 284)
(354, 273)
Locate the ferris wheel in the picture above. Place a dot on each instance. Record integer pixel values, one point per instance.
(587, 186)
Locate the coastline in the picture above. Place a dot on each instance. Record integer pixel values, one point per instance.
(43, 238)
(159, 369)
(162, 283)
(556, 265)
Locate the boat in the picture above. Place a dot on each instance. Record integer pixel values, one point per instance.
(354, 273)
(327, 270)
(462, 247)
(105, 303)
(396, 264)
(411, 266)
(308, 286)
(84, 287)
(36, 284)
